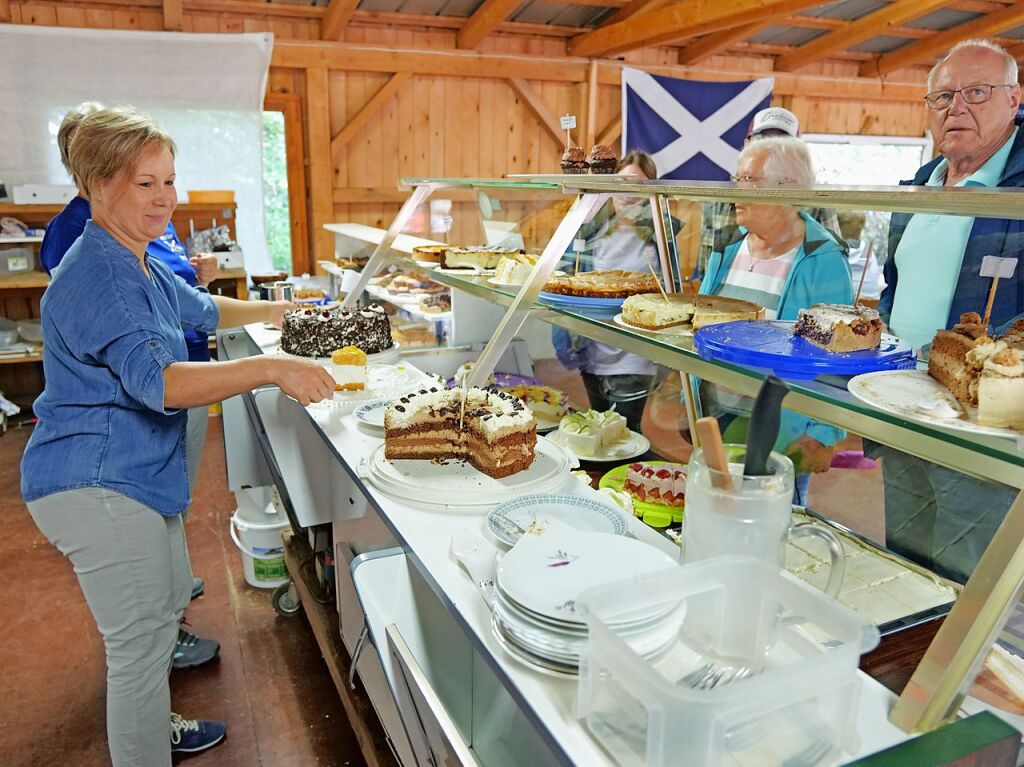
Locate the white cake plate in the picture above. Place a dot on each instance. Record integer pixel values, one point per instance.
(916, 396)
(635, 444)
(677, 330)
(457, 486)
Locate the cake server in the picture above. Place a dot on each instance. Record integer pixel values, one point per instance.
(764, 426)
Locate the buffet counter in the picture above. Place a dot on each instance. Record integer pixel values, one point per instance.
(409, 612)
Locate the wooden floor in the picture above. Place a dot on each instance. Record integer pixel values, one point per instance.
(270, 684)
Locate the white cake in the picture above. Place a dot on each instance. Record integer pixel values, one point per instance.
(589, 432)
(515, 269)
(1000, 386)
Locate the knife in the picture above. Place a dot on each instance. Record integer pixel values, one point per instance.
(764, 426)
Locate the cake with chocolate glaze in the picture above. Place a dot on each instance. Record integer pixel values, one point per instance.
(319, 332)
(840, 327)
(494, 432)
(574, 161)
(603, 159)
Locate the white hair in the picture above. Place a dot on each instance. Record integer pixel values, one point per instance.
(785, 159)
(1009, 62)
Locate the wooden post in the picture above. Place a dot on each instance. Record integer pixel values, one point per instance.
(318, 117)
(592, 96)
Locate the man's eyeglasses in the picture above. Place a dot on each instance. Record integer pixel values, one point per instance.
(972, 94)
(760, 181)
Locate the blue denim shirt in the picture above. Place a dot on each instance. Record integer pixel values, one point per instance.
(108, 334)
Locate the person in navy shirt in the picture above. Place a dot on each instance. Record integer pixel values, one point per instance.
(104, 474)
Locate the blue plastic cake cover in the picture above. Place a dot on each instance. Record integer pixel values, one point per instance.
(605, 307)
(771, 345)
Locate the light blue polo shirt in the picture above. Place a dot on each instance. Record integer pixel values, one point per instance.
(930, 255)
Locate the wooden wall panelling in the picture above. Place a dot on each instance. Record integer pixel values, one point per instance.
(5, 12)
(172, 12)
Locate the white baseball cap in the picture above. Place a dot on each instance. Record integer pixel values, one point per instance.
(775, 118)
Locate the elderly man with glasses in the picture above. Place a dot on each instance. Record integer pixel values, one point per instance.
(936, 516)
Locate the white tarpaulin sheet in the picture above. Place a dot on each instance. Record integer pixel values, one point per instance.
(206, 90)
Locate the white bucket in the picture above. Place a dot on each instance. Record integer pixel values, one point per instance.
(262, 549)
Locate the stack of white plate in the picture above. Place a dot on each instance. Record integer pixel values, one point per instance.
(538, 586)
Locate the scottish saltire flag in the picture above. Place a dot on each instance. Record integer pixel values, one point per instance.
(693, 129)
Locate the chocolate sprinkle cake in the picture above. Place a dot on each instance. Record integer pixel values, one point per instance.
(319, 332)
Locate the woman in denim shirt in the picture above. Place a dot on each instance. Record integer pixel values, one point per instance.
(104, 474)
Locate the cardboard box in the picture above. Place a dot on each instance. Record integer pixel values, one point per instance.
(43, 194)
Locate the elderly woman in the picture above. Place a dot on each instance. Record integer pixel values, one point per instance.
(104, 474)
(784, 260)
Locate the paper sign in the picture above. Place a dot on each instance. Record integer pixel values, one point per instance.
(568, 122)
(994, 266)
(579, 245)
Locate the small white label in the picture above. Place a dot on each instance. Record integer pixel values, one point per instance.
(579, 245)
(568, 122)
(994, 266)
(17, 264)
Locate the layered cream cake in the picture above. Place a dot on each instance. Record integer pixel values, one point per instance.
(998, 387)
(947, 360)
(475, 257)
(318, 332)
(588, 432)
(348, 366)
(515, 269)
(606, 283)
(652, 312)
(495, 432)
(545, 401)
(840, 327)
(663, 484)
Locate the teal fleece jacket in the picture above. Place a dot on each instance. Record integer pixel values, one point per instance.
(820, 274)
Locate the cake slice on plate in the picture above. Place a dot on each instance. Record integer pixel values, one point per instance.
(348, 366)
(545, 401)
(947, 361)
(588, 432)
(662, 484)
(840, 327)
(652, 312)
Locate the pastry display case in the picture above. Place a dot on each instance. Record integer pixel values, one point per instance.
(384, 539)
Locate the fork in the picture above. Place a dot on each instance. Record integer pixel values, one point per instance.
(709, 676)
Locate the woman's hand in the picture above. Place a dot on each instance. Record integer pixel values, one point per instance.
(809, 456)
(205, 265)
(303, 380)
(276, 311)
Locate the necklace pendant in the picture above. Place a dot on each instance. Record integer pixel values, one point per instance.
(751, 267)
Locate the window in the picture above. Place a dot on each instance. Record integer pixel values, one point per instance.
(275, 192)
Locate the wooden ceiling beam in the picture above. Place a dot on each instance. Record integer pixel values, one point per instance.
(768, 49)
(332, 26)
(864, 28)
(709, 45)
(926, 50)
(610, 134)
(632, 8)
(488, 17)
(687, 18)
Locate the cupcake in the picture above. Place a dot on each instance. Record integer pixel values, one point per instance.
(602, 159)
(574, 161)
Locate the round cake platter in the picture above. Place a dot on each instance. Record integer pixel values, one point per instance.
(634, 445)
(772, 345)
(384, 382)
(916, 396)
(677, 330)
(457, 486)
(544, 511)
(597, 307)
(377, 358)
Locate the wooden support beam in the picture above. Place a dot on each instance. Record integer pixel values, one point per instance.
(634, 7)
(1017, 51)
(688, 18)
(926, 50)
(377, 101)
(864, 28)
(709, 45)
(611, 133)
(451, 63)
(593, 89)
(540, 110)
(318, 122)
(485, 19)
(338, 13)
(172, 15)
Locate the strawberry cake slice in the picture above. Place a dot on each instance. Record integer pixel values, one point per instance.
(661, 483)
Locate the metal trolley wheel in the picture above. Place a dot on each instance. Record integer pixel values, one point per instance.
(285, 600)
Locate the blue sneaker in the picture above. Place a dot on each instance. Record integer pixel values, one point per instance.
(191, 651)
(197, 587)
(190, 736)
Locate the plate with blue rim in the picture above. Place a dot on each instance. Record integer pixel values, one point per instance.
(542, 512)
(372, 413)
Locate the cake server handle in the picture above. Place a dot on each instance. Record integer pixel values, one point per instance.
(764, 426)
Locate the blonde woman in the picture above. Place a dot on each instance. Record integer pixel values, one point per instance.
(104, 474)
